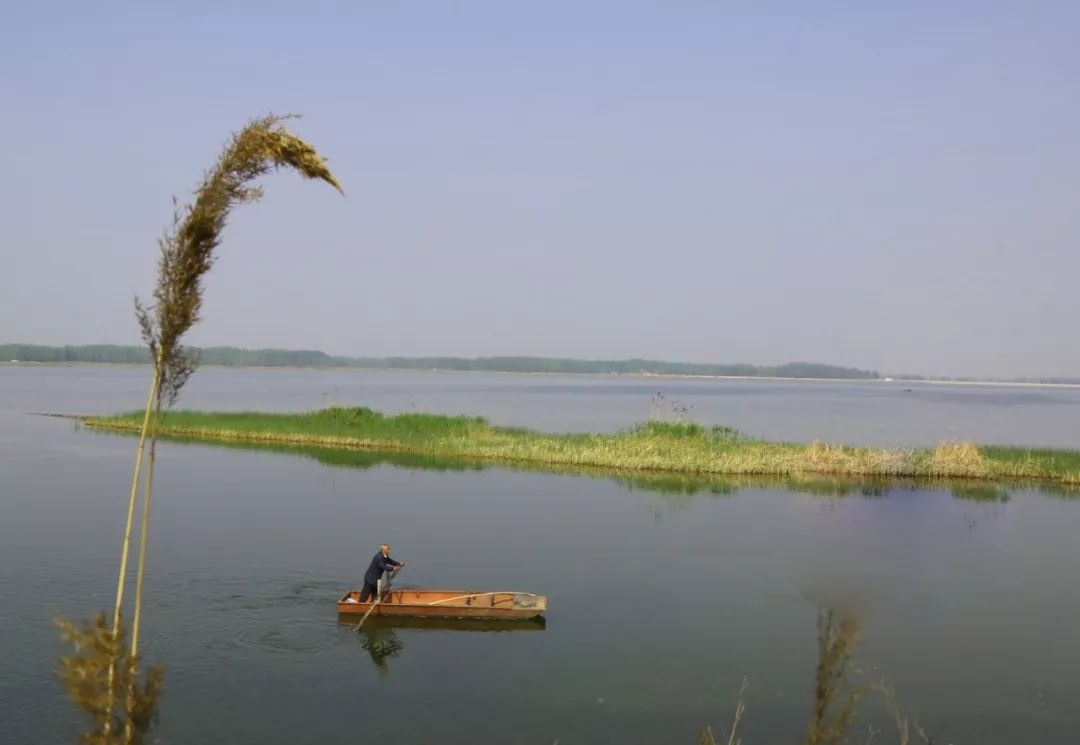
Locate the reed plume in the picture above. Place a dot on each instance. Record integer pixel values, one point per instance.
(187, 252)
(111, 693)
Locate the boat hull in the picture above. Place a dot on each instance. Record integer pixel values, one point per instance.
(417, 603)
(443, 623)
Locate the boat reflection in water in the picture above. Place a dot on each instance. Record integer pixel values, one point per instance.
(380, 638)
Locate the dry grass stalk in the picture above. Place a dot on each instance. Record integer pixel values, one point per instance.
(705, 736)
(903, 728)
(740, 709)
(186, 255)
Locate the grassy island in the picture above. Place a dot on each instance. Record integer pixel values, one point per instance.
(654, 446)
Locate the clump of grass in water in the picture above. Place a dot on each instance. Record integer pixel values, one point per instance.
(103, 676)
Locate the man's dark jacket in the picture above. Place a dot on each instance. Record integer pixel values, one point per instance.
(378, 565)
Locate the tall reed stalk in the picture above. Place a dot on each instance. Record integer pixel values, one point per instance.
(103, 675)
(836, 698)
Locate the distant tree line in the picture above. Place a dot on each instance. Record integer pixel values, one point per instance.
(234, 357)
(123, 355)
(108, 353)
(1046, 380)
(627, 367)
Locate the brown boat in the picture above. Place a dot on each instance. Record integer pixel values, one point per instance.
(447, 604)
(442, 623)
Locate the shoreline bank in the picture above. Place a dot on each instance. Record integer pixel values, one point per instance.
(654, 447)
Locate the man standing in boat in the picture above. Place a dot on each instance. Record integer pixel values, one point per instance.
(379, 564)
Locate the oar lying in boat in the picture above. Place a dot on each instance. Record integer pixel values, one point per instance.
(482, 595)
(389, 581)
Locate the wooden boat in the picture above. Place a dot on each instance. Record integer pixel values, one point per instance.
(443, 623)
(447, 604)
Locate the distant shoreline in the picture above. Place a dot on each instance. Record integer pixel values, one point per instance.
(313, 358)
(895, 382)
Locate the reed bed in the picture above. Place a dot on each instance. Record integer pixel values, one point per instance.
(655, 446)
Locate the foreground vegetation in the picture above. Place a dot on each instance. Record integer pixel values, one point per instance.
(103, 674)
(654, 446)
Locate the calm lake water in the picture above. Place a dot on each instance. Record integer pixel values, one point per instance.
(662, 594)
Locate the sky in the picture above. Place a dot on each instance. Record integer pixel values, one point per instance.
(893, 186)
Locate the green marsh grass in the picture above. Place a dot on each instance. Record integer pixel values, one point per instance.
(669, 483)
(655, 446)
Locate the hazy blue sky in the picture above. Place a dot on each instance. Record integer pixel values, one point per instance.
(888, 185)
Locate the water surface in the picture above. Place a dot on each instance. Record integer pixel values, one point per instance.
(854, 412)
(662, 595)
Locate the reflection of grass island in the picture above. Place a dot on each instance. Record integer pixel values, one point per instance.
(653, 447)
